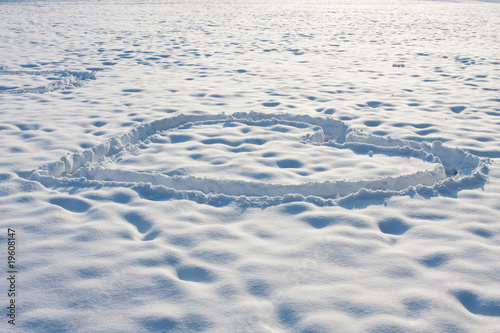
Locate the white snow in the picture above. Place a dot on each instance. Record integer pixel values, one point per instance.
(251, 167)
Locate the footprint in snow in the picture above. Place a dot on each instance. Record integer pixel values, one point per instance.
(479, 305)
(271, 104)
(195, 274)
(71, 204)
(139, 221)
(393, 226)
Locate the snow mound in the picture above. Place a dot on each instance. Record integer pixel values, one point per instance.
(105, 165)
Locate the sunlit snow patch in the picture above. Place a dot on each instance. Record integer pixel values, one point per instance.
(451, 170)
(41, 81)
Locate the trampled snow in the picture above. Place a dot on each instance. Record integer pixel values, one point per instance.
(238, 167)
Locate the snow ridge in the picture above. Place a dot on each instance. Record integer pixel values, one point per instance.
(62, 79)
(455, 168)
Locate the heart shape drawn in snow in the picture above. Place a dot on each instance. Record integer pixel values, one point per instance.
(109, 164)
(39, 82)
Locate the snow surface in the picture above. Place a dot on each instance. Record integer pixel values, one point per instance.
(236, 167)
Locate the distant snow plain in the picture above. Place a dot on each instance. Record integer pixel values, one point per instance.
(248, 167)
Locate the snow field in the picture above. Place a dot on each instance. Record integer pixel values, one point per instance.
(252, 168)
